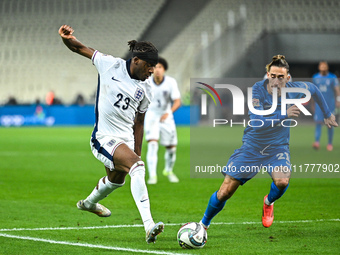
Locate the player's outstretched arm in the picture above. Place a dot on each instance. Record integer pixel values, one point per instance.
(66, 33)
(331, 121)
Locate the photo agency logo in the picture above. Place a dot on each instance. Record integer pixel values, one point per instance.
(270, 107)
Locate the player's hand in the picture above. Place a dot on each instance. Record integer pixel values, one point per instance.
(331, 121)
(164, 116)
(293, 111)
(66, 32)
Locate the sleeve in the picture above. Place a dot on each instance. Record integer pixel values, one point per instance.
(319, 99)
(102, 61)
(262, 122)
(175, 94)
(144, 105)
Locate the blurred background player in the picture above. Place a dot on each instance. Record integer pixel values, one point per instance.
(123, 96)
(328, 84)
(267, 144)
(159, 122)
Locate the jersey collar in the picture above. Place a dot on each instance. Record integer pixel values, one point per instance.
(128, 64)
(153, 79)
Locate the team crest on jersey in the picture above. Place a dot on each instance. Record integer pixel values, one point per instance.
(165, 93)
(139, 94)
(256, 102)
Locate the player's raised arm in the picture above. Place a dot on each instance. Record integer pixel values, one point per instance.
(66, 33)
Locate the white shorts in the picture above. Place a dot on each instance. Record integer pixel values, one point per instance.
(103, 147)
(165, 131)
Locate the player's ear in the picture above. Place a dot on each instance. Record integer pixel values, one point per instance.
(135, 60)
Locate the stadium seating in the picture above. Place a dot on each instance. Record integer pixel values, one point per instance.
(250, 20)
(33, 58)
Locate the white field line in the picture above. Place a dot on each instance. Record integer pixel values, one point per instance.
(127, 226)
(88, 245)
(169, 224)
(41, 153)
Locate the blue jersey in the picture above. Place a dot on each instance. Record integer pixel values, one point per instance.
(267, 130)
(326, 84)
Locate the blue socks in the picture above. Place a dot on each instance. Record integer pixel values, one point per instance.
(330, 135)
(213, 208)
(318, 132)
(215, 205)
(275, 193)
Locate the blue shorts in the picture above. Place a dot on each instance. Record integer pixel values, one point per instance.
(247, 161)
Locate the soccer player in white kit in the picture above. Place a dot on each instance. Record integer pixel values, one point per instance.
(123, 96)
(159, 122)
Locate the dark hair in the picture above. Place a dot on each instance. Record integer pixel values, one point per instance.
(279, 61)
(141, 46)
(163, 62)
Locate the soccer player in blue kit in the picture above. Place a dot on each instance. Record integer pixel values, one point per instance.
(328, 84)
(267, 144)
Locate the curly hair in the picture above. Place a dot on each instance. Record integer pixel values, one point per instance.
(279, 61)
(163, 62)
(143, 46)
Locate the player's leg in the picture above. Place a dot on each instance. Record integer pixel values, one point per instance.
(105, 186)
(168, 138)
(234, 177)
(103, 148)
(151, 160)
(281, 177)
(169, 161)
(126, 160)
(318, 129)
(330, 132)
(151, 128)
(280, 174)
(318, 118)
(219, 198)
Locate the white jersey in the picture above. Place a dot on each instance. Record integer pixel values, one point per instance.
(163, 93)
(119, 97)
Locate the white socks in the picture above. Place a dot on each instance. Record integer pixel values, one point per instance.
(170, 159)
(102, 190)
(267, 202)
(152, 158)
(140, 193)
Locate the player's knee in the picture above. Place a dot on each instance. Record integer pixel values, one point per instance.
(138, 167)
(224, 194)
(281, 183)
(125, 166)
(153, 145)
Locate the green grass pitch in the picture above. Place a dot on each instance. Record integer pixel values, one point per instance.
(45, 171)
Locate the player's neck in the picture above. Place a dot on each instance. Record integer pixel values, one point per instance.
(158, 79)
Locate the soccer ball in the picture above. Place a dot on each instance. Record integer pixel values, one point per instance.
(192, 235)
